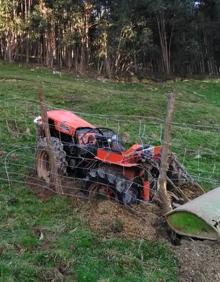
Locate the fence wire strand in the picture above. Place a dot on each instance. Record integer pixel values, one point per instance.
(197, 147)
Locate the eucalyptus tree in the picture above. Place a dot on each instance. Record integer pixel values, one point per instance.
(113, 37)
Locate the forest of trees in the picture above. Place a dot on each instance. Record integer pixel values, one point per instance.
(113, 37)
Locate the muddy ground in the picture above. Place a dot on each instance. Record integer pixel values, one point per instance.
(199, 261)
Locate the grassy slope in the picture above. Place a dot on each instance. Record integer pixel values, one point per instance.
(68, 243)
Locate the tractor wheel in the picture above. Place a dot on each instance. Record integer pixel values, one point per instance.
(42, 158)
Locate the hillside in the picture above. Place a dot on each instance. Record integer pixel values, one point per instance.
(69, 249)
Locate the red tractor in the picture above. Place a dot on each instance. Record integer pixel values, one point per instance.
(97, 156)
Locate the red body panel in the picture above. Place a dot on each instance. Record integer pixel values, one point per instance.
(157, 151)
(146, 191)
(113, 158)
(109, 156)
(67, 122)
(128, 158)
(125, 158)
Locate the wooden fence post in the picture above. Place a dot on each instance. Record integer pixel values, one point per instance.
(54, 176)
(163, 195)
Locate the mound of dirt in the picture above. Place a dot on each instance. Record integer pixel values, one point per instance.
(107, 218)
(110, 219)
(199, 261)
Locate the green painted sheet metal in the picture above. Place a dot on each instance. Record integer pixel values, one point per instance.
(198, 218)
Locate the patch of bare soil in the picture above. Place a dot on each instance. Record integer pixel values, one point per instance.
(39, 188)
(44, 191)
(199, 261)
(111, 219)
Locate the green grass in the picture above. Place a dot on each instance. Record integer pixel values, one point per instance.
(69, 245)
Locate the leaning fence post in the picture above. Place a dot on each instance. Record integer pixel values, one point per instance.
(163, 195)
(54, 176)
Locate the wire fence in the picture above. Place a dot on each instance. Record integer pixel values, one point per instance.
(197, 148)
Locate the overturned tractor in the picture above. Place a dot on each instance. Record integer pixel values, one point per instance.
(97, 156)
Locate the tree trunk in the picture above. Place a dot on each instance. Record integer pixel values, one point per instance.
(165, 47)
(108, 68)
(82, 58)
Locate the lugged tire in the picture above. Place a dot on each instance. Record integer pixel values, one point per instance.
(42, 158)
(110, 177)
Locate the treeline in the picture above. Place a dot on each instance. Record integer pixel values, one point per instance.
(113, 37)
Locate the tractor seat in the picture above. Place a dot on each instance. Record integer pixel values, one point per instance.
(88, 138)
